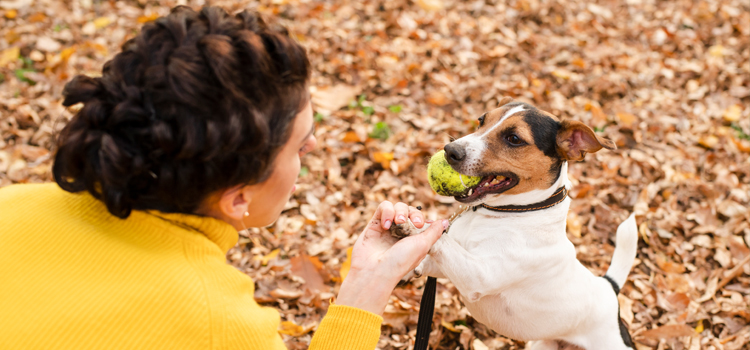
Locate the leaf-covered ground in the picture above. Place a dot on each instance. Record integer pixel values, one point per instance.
(395, 80)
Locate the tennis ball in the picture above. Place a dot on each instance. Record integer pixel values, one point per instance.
(446, 181)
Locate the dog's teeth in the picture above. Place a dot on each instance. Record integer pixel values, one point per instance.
(500, 178)
(471, 191)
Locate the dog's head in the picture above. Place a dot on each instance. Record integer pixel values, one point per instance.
(518, 149)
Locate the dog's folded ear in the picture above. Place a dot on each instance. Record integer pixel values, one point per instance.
(575, 139)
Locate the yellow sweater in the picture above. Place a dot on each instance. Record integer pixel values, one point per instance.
(72, 276)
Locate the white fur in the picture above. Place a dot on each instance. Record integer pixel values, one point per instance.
(518, 274)
(475, 144)
(507, 114)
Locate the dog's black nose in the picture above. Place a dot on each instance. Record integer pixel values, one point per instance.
(454, 153)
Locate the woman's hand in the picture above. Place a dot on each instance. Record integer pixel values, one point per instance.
(379, 260)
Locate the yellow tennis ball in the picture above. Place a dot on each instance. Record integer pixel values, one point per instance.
(446, 181)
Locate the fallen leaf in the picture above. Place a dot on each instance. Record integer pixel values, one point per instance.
(626, 119)
(294, 330)
(561, 73)
(384, 158)
(730, 208)
(9, 55)
(574, 224)
(102, 22)
(437, 98)
(303, 267)
(669, 266)
(732, 114)
(148, 18)
(266, 258)
(679, 301)
(716, 51)
(478, 345)
(708, 141)
(47, 44)
(668, 331)
(431, 5)
(449, 326)
(332, 98)
(279, 293)
(37, 17)
(11, 14)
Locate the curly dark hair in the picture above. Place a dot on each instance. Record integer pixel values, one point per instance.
(197, 102)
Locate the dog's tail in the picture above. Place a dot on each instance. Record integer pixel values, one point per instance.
(625, 249)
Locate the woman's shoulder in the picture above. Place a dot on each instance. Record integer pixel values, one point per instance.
(40, 199)
(39, 191)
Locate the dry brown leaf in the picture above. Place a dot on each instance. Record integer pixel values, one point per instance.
(9, 55)
(332, 98)
(668, 331)
(303, 266)
(732, 114)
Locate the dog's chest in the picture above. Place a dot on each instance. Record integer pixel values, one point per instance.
(490, 237)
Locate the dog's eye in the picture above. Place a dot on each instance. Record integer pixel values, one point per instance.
(481, 120)
(514, 140)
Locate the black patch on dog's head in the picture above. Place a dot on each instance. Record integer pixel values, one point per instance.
(544, 131)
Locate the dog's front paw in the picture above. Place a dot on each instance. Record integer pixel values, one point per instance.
(405, 229)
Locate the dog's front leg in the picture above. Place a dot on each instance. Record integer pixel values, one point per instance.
(474, 276)
(428, 267)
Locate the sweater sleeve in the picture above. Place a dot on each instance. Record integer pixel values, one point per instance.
(346, 327)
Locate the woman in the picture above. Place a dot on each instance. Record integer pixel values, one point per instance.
(193, 132)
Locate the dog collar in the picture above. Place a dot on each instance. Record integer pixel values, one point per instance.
(556, 198)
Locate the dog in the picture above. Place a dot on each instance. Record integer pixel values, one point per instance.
(515, 268)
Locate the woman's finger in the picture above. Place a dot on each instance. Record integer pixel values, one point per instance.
(426, 239)
(402, 212)
(416, 217)
(384, 214)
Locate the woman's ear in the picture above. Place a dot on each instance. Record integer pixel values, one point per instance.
(234, 202)
(575, 139)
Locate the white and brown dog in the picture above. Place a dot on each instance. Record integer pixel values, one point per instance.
(515, 268)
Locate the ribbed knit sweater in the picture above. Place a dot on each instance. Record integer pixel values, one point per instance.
(73, 276)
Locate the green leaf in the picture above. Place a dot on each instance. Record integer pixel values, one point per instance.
(27, 62)
(367, 110)
(2, 78)
(460, 323)
(395, 108)
(303, 171)
(741, 134)
(380, 131)
(319, 117)
(20, 75)
(361, 99)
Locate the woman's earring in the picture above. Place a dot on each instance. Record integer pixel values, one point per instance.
(243, 223)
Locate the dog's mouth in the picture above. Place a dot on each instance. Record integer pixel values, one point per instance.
(491, 184)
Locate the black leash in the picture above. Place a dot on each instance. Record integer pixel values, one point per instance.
(427, 304)
(426, 309)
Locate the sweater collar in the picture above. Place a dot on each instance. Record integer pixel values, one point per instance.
(223, 234)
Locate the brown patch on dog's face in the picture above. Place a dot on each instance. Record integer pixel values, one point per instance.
(511, 149)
